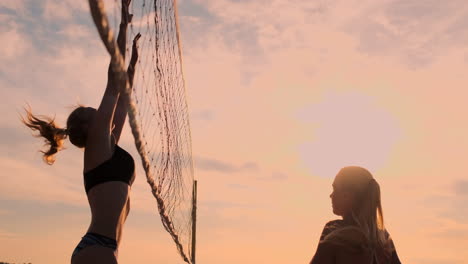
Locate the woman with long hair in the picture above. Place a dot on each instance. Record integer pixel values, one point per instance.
(108, 170)
(360, 237)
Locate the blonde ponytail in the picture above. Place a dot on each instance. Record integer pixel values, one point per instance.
(47, 129)
(367, 232)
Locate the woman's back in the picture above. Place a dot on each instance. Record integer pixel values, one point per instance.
(361, 236)
(341, 243)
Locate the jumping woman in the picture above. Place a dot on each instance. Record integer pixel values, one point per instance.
(109, 171)
(360, 237)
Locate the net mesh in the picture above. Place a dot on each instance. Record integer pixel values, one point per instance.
(159, 114)
(159, 94)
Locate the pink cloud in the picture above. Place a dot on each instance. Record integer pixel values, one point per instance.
(17, 5)
(14, 42)
(304, 53)
(63, 10)
(7, 235)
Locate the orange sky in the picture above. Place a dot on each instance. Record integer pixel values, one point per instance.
(282, 94)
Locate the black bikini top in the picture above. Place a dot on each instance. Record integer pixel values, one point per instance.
(120, 167)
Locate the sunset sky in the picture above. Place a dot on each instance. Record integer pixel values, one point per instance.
(282, 94)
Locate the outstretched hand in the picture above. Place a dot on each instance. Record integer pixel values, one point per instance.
(135, 40)
(135, 47)
(133, 60)
(126, 16)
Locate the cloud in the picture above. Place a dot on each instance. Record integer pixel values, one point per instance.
(417, 32)
(14, 42)
(461, 188)
(57, 10)
(276, 176)
(450, 204)
(193, 8)
(215, 204)
(8, 235)
(76, 32)
(224, 167)
(50, 57)
(251, 29)
(16, 5)
(227, 216)
(239, 186)
(64, 9)
(452, 234)
(455, 205)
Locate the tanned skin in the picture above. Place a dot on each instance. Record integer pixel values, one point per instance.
(109, 201)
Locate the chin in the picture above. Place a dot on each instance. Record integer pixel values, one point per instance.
(335, 212)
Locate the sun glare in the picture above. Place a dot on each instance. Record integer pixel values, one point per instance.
(351, 129)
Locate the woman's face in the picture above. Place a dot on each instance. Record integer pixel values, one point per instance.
(341, 198)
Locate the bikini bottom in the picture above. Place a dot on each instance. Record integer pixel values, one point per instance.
(91, 239)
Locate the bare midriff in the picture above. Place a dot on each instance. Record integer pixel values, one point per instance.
(110, 206)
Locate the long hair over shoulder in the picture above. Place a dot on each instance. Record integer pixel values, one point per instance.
(367, 232)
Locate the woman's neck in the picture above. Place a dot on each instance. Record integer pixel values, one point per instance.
(348, 218)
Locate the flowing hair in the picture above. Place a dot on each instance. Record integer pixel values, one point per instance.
(367, 233)
(47, 129)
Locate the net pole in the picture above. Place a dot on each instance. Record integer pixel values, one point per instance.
(194, 220)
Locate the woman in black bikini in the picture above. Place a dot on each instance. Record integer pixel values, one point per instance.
(108, 169)
(361, 236)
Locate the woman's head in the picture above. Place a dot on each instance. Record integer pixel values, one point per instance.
(352, 187)
(77, 125)
(356, 197)
(77, 129)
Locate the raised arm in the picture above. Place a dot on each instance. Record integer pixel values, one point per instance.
(99, 143)
(122, 105)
